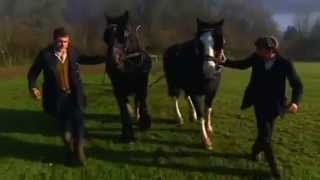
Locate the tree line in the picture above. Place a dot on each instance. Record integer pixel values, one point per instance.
(302, 40)
(26, 25)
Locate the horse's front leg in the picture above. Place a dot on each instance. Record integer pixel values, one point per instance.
(208, 116)
(143, 115)
(127, 133)
(142, 111)
(199, 107)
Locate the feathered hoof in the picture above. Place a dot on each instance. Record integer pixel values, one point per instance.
(209, 147)
(180, 124)
(144, 122)
(210, 133)
(207, 143)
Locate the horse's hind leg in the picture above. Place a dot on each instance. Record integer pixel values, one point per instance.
(177, 111)
(193, 113)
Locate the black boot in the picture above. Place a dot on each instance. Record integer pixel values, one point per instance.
(270, 157)
(256, 151)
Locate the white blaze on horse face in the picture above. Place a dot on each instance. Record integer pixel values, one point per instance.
(208, 44)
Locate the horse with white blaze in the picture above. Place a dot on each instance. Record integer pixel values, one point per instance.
(193, 67)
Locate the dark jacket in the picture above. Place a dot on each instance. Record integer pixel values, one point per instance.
(268, 87)
(46, 61)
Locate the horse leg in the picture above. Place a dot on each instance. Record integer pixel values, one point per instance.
(177, 111)
(141, 103)
(136, 107)
(198, 104)
(127, 133)
(193, 113)
(129, 107)
(209, 129)
(143, 114)
(212, 88)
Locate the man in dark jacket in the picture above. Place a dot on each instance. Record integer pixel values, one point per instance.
(63, 95)
(267, 92)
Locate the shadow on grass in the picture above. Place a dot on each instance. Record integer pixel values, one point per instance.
(32, 122)
(26, 121)
(111, 118)
(168, 160)
(45, 153)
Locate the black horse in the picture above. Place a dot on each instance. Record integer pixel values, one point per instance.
(128, 67)
(192, 67)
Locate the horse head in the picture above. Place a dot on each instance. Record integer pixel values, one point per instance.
(121, 39)
(211, 44)
(210, 36)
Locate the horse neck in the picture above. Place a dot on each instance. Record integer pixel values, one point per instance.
(133, 44)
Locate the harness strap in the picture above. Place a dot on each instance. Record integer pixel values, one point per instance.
(132, 55)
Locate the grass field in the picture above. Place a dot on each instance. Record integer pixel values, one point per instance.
(30, 147)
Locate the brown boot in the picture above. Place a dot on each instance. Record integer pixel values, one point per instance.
(68, 146)
(79, 152)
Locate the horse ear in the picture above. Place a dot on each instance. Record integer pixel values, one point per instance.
(199, 21)
(221, 22)
(126, 14)
(107, 18)
(125, 17)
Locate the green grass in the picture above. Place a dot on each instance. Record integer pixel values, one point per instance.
(30, 147)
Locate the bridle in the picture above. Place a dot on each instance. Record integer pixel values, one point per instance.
(215, 59)
(122, 49)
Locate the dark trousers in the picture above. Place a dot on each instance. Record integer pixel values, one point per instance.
(266, 115)
(70, 117)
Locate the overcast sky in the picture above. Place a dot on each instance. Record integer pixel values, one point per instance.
(292, 6)
(285, 10)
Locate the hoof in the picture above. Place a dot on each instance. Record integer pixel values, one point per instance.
(179, 124)
(209, 147)
(256, 157)
(207, 143)
(144, 123)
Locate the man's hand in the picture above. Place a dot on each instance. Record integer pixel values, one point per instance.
(36, 93)
(221, 58)
(293, 107)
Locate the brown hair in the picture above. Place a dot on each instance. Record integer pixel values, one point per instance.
(60, 32)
